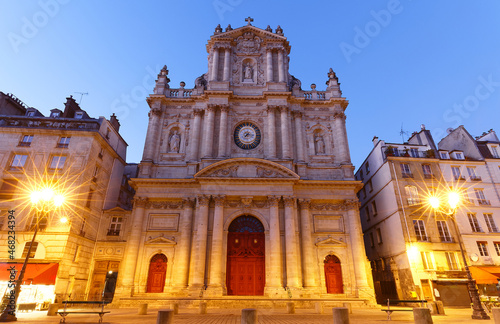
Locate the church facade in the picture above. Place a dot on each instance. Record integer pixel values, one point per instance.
(245, 187)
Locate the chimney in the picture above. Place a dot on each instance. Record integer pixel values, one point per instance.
(375, 140)
(114, 122)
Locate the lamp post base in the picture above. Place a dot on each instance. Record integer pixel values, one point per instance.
(6, 317)
(477, 310)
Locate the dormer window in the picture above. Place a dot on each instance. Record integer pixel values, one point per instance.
(459, 155)
(30, 113)
(55, 114)
(444, 155)
(494, 152)
(79, 115)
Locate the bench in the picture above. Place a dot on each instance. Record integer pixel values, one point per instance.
(65, 312)
(396, 301)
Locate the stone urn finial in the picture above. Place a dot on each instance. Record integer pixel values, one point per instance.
(313, 86)
(182, 84)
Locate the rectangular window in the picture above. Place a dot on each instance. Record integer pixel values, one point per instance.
(444, 233)
(451, 258)
(361, 175)
(483, 248)
(63, 142)
(54, 114)
(426, 169)
(89, 198)
(26, 140)
(18, 161)
(456, 173)
(481, 199)
(444, 155)
(497, 247)
(490, 223)
(57, 162)
(8, 189)
(459, 156)
(101, 154)
(414, 152)
(374, 208)
(412, 195)
(379, 236)
(367, 212)
(472, 174)
(26, 248)
(115, 226)
(367, 167)
(420, 232)
(82, 227)
(494, 152)
(79, 115)
(95, 173)
(369, 186)
(372, 241)
(406, 171)
(474, 224)
(427, 260)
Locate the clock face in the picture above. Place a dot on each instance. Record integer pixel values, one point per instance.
(247, 136)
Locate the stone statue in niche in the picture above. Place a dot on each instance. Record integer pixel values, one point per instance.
(319, 144)
(248, 72)
(174, 143)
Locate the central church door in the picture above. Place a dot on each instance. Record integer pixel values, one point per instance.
(157, 273)
(245, 257)
(333, 275)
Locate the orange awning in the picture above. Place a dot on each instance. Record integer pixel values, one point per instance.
(36, 273)
(485, 275)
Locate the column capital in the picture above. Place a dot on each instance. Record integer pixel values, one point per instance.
(203, 200)
(140, 201)
(289, 201)
(211, 107)
(305, 203)
(273, 201)
(283, 109)
(188, 202)
(155, 112)
(219, 200)
(297, 114)
(351, 204)
(339, 115)
(224, 108)
(197, 112)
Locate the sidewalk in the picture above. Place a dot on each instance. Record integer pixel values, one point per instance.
(266, 316)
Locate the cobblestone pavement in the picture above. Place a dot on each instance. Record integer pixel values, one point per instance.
(265, 316)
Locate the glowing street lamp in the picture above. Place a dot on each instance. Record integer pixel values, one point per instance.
(43, 200)
(450, 209)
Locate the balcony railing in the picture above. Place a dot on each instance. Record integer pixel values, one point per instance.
(462, 178)
(446, 239)
(475, 178)
(113, 233)
(407, 175)
(413, 201)
(393, 151)
(428, 176)
(483, 202)
(49, 123)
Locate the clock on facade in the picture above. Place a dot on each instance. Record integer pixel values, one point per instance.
(247, 135)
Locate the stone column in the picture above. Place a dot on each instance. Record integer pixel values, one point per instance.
(217, 238)
(274, 269)
(309, 264)
(271, 125)
(357, 244)
(200, 244)
(285, 137)
(298, 136)
(215, 64)
(208, 132)
(195, 136)
(223, 132)
(269, 65)
(181, 262)
(341, 135)
(152, 135)
(133, 241)
(281, 66)
(291, 244)
(227, 62)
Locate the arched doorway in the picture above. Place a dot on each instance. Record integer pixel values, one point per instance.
(157, 273)
(333, 275)
(245, 275)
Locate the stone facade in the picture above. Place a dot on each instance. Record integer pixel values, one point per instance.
(246, 141)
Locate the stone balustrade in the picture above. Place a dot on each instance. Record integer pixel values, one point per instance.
(47, 122)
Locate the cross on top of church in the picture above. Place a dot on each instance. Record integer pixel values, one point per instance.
(249, 21)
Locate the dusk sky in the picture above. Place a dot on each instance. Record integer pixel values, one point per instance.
(400, 63)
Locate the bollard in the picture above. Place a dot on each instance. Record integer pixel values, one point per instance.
(175, 307)
(53, 308)
(496, 314)
(249, 316)
(340, 315)
(203, 308)
(318, 307)
(440, 307)
(349, 307)
(290, 308)
(165, 316)
(422, 315)
(143, 309)
(432, 305)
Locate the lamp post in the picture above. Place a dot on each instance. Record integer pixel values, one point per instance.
(450, 210)
(43, 201)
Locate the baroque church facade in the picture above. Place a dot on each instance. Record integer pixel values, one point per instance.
(246, 187)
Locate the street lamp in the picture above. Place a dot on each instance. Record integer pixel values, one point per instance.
(450, 209)
(43, 201)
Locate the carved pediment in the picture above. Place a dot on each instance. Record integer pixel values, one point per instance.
(330, 242)
(247, 168)
(160, 240)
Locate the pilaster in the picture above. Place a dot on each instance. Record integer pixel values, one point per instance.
(291, 254)
(215, 287)
(181, 262)
(199, 249)
(208, 132)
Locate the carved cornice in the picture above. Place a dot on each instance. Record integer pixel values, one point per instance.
(164, 204)
(339, 115)
(343, 206)
(273, 201)
(305, 203)
(203, 200)
(289, 201)
(188, 203)
(155, 112)
(140, 201)
(297, 114)
(197, 112)
(219, 200)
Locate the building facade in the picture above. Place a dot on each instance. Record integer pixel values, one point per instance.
(81, 155)
(246, 185)
(414, 251)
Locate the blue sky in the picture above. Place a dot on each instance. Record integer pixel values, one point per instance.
(399, 62)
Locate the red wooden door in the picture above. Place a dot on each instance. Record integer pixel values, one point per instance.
(157, 273)
(245, 259)
(333, 275)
